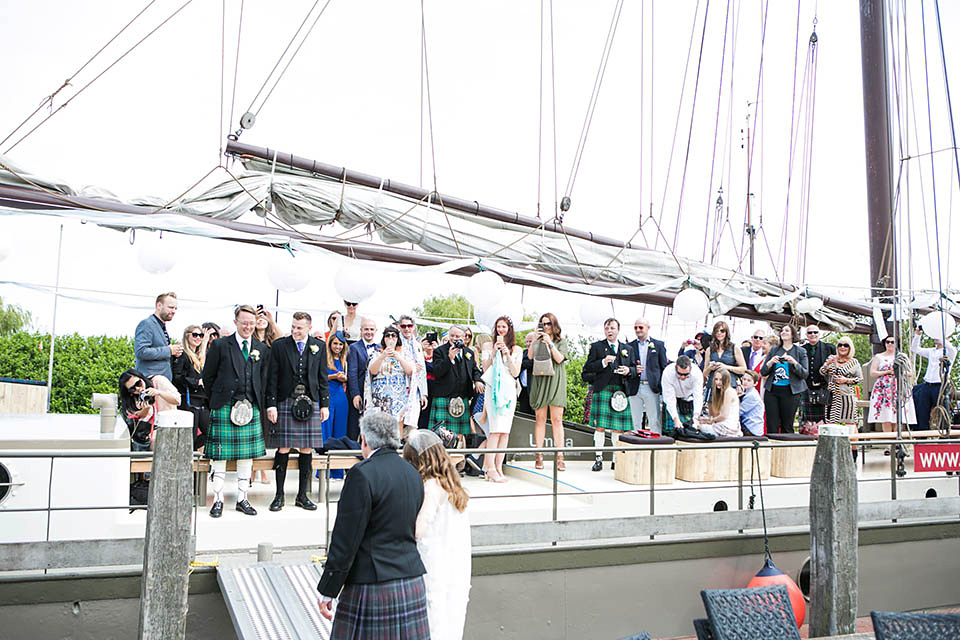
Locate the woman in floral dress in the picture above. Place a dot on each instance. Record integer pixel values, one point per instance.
(883, 398)
(387, 376)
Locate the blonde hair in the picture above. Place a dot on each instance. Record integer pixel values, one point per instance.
(847, 341)
(435, 462)
(194, 356)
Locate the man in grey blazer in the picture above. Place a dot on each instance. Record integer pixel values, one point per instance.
(151, 342)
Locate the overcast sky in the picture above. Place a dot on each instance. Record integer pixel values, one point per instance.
(351, 97)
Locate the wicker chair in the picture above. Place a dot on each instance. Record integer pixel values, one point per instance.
(890, 625)
(643, 635)
(703, 629)
(750, 614)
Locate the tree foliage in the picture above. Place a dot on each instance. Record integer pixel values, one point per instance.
(13, 318)
(82, 365)
(445, 309)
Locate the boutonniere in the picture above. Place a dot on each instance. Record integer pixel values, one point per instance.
(623, 352)
(469, 355)
(314, 348)
(651, 347)
(255, 354)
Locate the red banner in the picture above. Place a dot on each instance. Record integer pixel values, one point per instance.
(936, 457)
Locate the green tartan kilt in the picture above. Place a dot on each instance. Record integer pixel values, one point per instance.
(602, 416)
(227, 441)
(440, 416)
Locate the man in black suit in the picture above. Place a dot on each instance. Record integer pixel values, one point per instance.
(650, 359)
(373, 564)
(609, 363)
(358, 358)
(298, 402)
(753, 355)
(456, 378)
(815, 397)
(233, 375)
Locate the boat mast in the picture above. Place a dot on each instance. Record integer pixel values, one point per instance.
(876, 120)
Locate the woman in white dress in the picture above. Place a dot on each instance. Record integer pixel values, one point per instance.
(723, 417)
(443, 535)
(500, 370)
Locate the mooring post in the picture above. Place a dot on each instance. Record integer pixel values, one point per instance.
(166, 546)
(833, 535)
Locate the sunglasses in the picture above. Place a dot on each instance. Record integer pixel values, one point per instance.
(758, 337)
(889, 341)
(406, 326)
(196, 334)
(843, 346)
(349, 304)
(812, 332)
(683, 375)
(214, 335)
(547, 324)
(136, 384)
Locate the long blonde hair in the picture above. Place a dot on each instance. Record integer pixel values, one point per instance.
(435, 462)
(716, 397)
(196, 358)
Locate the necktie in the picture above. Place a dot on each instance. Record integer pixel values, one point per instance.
(245, 351)
(300, 347)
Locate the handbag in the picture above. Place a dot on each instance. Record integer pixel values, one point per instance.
(542, 360)
(818, 396)
(691, 433)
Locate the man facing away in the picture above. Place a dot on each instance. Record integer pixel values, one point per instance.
(608, 364)
(650, 359)
(373, 565)
(233, 375)
(298, 403)
(151, 342)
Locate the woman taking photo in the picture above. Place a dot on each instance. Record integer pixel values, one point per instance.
(266, 330)
(500, 370)
(883, 397)
(443, 535)
(722, 355)
(387, 376)
(336, 425)
(187, 369)
(785, 369)
(548, 393)
(723, 415)
(141, 397)
(843, 373)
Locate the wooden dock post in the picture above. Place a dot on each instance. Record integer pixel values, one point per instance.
(833, 535)
(166, 548)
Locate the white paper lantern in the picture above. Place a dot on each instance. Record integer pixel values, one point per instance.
(355, 283)
(155, 255)
(592, 313)
(938, 325)
(485, 317)
(485, 289)
(809, 305)
(6, 246)
(287, 273)
(691, 305)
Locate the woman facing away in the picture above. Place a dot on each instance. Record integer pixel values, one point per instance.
(723, 415)
(443, 535)
(500, 370)
(548, 393)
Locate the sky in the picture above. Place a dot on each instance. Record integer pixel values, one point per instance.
(155, 123)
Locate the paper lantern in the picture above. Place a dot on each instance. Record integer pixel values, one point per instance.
(592, 313)
(485, 289)
(691, 305)
(155, 255)
(938, 324)
(287, 273)
(769, 575)
(6, 246)
(809, 305)
(355, 283)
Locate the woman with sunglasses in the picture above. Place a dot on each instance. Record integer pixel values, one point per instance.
(548, 393)
(387, 376)
(883, 397)
(266, 330)
(843, 373)
(722, 355)
(187, 371)
(141, 397)
(350, 322)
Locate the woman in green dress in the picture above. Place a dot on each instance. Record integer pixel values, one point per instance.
(548, 393)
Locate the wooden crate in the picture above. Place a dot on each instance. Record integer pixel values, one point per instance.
(792, 462)
(633, 467)
(18, 397)
(710, 463)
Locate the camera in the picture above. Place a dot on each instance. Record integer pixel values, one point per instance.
(539, 326)
(457, 344)
(146, 398)
(431, 336)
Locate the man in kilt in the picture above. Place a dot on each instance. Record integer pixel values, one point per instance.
(373, 565)
(682, 385)
(298, 401)
(456, 378)
(608, 365)
(233, 374)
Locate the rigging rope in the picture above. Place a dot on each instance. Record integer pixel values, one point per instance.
(97, 77)
(594, 95)
(716, 123)
(236, 68)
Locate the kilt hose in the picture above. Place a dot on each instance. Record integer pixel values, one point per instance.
(288, 432)
(227, 441)
(394, 610)
(440, 416)
(602, 415)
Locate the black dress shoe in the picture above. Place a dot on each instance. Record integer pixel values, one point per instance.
(216, 510)
(613, 465)
(304, 503)
(244, 507)
(597, 466)
(277, 503)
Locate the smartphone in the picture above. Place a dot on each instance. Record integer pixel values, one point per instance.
(431, 336)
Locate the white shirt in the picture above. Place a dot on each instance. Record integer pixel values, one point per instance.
(933, 355)
(689, 388)
(240, 342)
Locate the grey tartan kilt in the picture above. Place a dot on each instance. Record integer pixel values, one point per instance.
(288, 432)
(395, 610)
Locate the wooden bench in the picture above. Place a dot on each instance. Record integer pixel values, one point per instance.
(708, 462)
(633, 467)
(792, 462)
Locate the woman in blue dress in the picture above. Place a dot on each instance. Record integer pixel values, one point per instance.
(336, 425)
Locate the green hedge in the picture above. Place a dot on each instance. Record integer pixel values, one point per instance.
(82, 365)
(576, 389)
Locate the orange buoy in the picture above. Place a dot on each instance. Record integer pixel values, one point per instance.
(770, 575)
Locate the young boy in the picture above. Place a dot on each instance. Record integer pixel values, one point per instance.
(751, 406)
